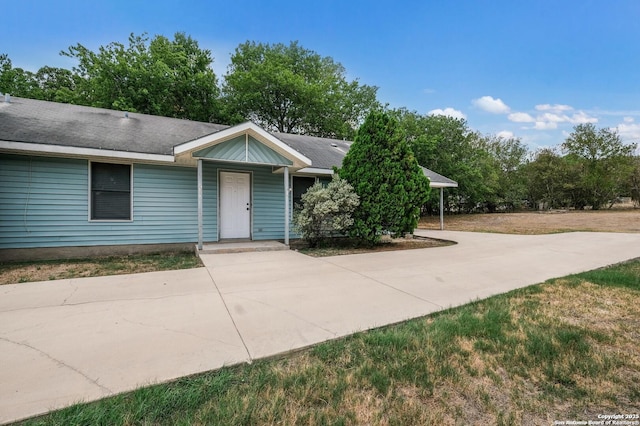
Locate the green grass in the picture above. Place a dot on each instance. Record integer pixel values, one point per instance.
(559, 350)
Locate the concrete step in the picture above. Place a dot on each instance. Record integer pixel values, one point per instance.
(241, 247)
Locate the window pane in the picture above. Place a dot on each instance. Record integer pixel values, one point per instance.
(300, 186)
(110, 177)
(110, 191)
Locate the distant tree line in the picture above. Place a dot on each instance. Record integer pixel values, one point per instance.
(287, 88)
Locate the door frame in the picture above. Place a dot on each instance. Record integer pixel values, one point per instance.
(219, 209)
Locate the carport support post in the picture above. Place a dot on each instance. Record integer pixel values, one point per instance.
(442, 209)
(286, 206)
(199, 204)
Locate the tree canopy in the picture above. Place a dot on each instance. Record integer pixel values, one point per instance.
(290, 89)
(165, 77)
(602, 163)
(386, 176)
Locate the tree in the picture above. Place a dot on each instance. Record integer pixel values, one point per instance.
(160, 77)
(509, 157)
(447, 146)
(602, 161)
(633, 184)
(385, 174)
(17, 81)
(550, 180)
(326, 211)
(294, 90)
(57, 84)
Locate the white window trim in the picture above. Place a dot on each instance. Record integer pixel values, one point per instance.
(89, 162)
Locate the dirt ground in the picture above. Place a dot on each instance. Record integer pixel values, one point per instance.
(627, 220)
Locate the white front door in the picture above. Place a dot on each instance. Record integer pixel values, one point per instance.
(235, 205)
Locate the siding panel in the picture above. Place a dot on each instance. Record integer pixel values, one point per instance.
(44, 202)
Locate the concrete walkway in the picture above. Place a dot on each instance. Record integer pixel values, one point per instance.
(83, 339)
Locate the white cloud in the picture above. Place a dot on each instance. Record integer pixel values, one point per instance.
(628, 119)
(552, 115)
(552, 118)
(545, 125)
(505, 134)
(489, 104)
(521, 117)
(449, 112)
(582, 117)
(556, 108)
(629, 132)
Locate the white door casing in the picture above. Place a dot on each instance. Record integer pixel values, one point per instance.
(235, 205)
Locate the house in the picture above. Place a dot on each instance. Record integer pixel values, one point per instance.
(77, 180)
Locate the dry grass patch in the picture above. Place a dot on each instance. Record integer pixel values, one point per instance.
(627, 220)
(12, 273)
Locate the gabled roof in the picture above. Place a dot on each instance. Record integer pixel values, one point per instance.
(248, 137)
(29, 125)
(41, 122)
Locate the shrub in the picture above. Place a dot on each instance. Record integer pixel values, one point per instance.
(326, 211)
(385, 174)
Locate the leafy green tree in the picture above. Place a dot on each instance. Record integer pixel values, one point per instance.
(509, 157)
(326, 211)
(57, 84)
(447, 146)
(603, 163)
(294, 90)
(633, 184)
(385, 174)
(17, 81)
(172, 78)
(550, 181)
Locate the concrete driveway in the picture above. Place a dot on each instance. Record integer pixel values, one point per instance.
(83, 339)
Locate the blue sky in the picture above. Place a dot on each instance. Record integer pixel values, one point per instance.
(530, 69)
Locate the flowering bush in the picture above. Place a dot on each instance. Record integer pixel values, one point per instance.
(326, 211)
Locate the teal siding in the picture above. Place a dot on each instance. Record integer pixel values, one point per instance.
(259, 153)
(44, 202)
(238, 150)
(231, 150)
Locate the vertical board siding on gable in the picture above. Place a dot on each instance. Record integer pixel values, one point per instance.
(44, 203)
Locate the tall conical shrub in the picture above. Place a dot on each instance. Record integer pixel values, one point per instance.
(385, 174)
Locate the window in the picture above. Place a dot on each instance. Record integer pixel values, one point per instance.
(110, 191)
(300, 186)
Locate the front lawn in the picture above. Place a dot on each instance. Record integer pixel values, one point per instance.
(11, 273)
(563, 350)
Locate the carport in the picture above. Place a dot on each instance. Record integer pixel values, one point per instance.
(441, 182)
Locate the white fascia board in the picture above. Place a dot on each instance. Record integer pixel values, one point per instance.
(315, 171)
(229, 132)
(82, 152)
(442, 185)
